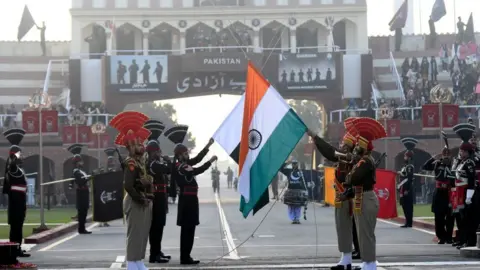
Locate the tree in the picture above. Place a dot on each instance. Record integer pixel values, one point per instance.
(312, 115)
(168, 115)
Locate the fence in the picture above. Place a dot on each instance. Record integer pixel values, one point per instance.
(15, 120)
(408, 113)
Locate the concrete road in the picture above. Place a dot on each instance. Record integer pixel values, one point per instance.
(264, 241)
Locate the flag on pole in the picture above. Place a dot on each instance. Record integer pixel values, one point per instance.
(400, 18)
(26, 23)
(228, 137)
(270, 132)
(469, 35)
(438, 11)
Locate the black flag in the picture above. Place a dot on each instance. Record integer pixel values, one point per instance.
(26, 23)
(469, 35)
(400, 18)
(108, 196)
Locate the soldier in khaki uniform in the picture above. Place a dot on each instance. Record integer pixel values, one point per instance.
(137, 204)
(343, 209)
(362, 180)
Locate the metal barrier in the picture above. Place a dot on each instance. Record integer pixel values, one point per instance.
(344, 113)
(63, 118)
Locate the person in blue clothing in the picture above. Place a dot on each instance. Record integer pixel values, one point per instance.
(296, 195)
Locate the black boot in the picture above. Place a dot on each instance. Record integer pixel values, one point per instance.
(341, 267)
(22, 253)
(189, 261)
(158, 259)
(356, 255)
(165, 256)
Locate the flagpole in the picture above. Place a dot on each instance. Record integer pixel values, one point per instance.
(420, 15)
(454, 16)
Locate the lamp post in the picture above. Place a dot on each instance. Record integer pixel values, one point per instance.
(41, 101)
(98, 129)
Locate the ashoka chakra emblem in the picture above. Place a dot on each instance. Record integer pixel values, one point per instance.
(254, 139)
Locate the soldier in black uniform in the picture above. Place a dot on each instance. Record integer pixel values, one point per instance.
(441, 197)
(406, 184)
(465, 171)
(158, 167)
(188, 205)
(15, 186)
(215, 180)
(82, 187)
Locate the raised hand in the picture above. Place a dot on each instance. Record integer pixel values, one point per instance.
(213, 159)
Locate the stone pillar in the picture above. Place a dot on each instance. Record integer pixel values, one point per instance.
(182, 42)
(145, 43)
(256, 41)
(293, 41)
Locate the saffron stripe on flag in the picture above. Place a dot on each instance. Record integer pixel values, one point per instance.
(256, 88)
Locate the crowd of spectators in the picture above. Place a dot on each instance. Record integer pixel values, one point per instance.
(420, 75)
(87, 114)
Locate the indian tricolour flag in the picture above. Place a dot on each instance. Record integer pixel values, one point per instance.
(270, 132)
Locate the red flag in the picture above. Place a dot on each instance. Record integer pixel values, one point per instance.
(386, 192)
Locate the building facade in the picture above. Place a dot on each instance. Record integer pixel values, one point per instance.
(178, 27)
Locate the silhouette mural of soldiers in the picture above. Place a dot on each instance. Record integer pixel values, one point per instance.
(145, 72)
(133, 70)
(121, 70)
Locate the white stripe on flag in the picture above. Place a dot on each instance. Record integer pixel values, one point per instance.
(229, 133)
(268, 114)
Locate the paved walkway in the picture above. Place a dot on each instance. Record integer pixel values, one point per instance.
(225, 240)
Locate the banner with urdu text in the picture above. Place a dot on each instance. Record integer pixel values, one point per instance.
(384, 188)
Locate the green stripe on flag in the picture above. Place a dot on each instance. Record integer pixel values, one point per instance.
(271, 157)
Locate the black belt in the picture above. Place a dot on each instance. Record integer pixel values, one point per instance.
(160, 188)
(190, 190)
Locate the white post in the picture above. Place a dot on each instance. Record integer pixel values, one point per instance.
(145, 43)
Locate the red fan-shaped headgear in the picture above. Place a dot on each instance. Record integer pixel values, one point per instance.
(368, 130)
(130, 127)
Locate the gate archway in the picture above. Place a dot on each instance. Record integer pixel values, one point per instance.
(31, 164)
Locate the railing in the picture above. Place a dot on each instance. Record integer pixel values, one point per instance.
(63, 118)
(410, 111)
(396, 76)
(221, 49)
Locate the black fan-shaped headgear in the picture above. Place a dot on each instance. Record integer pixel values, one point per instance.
(409, 144)
(177, 135)
(76, 150)
(14, 137)
(110, 152)
(156, 129)
(465, 132)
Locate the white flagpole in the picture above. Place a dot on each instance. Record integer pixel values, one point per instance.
(454, 16)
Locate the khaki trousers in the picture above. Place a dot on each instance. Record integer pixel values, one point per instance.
(139, 220)
(366, 222)
(343, 224)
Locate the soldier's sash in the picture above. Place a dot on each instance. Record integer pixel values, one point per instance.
(339, 189)
(357, 201)
(108, 196)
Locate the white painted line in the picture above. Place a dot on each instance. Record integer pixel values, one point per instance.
(266, 236)
(196, 237)
(34, 224)
(233, 253)
(70, 237)
(301, 266)
(413, 228)
(115, 266)
(118, 262)
(248, 246)
(234, 239)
